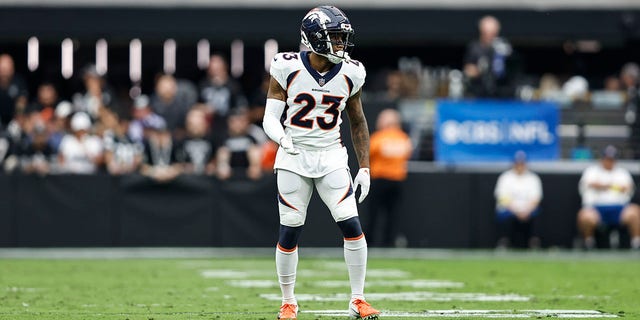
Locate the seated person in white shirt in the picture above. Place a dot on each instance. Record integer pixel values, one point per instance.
(80, 151)
(518, 193)
(606, 191)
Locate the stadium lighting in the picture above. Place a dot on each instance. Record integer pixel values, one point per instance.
(67, 58)
(237, 58)
(135, 60)
(270, 50)
(33, 53)
(169, 65)
(204, 50)
(101, 57)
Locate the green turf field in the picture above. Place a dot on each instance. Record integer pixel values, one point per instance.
(467, 286)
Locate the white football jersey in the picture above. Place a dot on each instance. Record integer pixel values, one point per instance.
(315, 101)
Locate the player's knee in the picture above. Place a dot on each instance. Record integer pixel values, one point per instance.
(288, 237)
(291, 217)
(351, 228)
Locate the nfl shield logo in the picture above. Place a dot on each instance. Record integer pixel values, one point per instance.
(321, 82)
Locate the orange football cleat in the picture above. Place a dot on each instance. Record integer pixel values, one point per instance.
(361, 309)
(288, 311)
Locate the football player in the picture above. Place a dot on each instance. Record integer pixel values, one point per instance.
(308, 92)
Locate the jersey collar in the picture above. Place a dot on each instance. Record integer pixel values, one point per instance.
(320, 79)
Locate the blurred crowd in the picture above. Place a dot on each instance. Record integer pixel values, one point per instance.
(213, 125)
(210, 128)
(492, 68)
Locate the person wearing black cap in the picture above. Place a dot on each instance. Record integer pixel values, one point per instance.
(518, 194)
(606, 191)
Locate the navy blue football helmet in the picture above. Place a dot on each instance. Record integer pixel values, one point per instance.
(325, 27)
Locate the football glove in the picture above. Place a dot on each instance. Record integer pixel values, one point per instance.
(287, 144)
(363, 179)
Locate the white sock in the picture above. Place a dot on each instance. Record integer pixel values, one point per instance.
(355, 255)
(286, 265)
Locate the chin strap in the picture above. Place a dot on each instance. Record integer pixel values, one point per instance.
(337, 57)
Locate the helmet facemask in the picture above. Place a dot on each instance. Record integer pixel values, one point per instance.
(339, 38)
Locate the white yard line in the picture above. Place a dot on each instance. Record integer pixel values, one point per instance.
(394, 283)
(432, 284)
(387, 273)
(458, 313)
(371, 273)
(408, 296)
(224, 274)
(253, 283)
(302, 273)
(20, 289)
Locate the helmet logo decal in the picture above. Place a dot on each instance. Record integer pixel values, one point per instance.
(322, 17)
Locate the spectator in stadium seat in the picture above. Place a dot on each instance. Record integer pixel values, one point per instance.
(518, 193)
(172, 99)
(606, 191)
(629, 76)
(159, 162)
(612, 83)
(122, 154)
(37, 155)
(220, 92)
(13, 91)
(256, 111)
(142, 115)
(7, 158)
(395, 86)
(485, 62)
(239, 152)
(257, 100)
(548, 87)
(390, 149)
(46, 102)
(59, 124)
(577, 89)
(97, 93)
(196, 152)
(80, 151)
(20, 131)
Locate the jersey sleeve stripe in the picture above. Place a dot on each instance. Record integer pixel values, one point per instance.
(291, 77)
(349, 83)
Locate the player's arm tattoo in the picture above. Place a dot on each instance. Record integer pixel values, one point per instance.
(359, 129)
